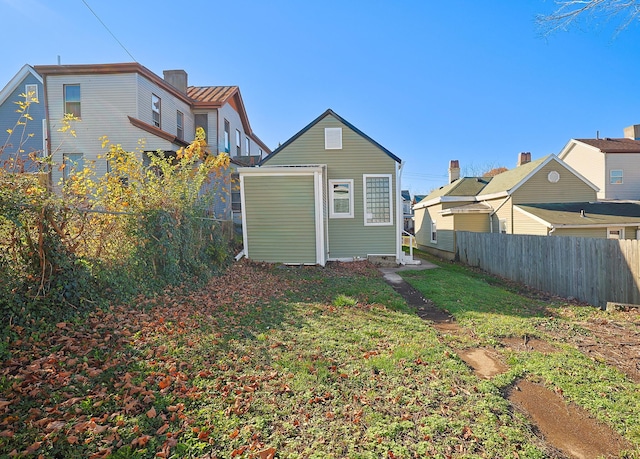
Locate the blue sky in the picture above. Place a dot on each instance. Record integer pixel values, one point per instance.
(431, 81)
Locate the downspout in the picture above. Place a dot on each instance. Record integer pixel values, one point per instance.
(553, 228)
(399, 213)
(496, 210)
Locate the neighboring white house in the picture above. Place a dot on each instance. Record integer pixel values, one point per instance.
(127, 102)
(613, 165)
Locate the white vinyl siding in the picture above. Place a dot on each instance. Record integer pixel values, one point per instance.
(129, 95)
(378, 207)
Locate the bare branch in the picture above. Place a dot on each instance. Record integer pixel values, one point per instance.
(570, 11)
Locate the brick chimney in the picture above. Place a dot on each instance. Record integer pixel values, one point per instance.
(454, 170)
(524, 158)
(632, 132)
(177, 79)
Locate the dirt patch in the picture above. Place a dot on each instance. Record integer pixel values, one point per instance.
(529, 344)
(483, 362)
(565, 426)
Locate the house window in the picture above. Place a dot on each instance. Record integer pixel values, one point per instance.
(31, 91)
(227, 137)
(333, 138)
(73, 162)
(260, 151)
(236, 204)
(180, 125)
(377, 199)
(615, 233)
(434, 232)
(247, 145)
(341, 198)
(155, 110)
(201, 120)
(72, 99)
(238, 144)
(502, 226)
(615, 177)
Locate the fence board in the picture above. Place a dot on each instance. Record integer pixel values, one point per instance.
(590, 269)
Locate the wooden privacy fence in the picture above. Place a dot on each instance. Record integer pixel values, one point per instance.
(593, 270)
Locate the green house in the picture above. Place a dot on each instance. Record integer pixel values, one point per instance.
(330, 193)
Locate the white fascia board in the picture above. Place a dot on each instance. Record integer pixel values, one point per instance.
(281, 170)
(534, 217)
(487, 197)
(16, 80)
(321, 252)
(441, 199)
(457, 210)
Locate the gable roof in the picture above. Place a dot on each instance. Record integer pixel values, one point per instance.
(198, 97)
(465, 186)
(330, 112)
(596, 214)
(16, 80)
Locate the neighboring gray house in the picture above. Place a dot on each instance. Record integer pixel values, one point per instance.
(127, 102)
(328, 193)
(612, 164)
(25, 139)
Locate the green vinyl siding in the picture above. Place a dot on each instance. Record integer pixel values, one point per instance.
(347, 237)
(280, 218)
(538, 189)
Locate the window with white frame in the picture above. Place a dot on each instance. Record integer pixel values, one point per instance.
(502, 225)
(227, 137)
(155, 110)
(247, 146)
(73, 162)
(378, 208)
(180, 125)
(72, 99)
(616, 177)
(238, 143)
(434, 232)
(333, 138)
(615, 233)
(341, 198)
(31, 91)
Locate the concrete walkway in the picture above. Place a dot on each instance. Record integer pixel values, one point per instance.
(391, 274)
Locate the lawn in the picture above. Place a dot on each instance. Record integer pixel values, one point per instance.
(272, 361)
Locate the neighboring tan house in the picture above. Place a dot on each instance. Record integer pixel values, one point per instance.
(613, 165)
(328, 193)
(127, 102)
(25, 138)
(536, 197)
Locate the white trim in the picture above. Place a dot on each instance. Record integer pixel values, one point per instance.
(243, 209)
(333, 138)
(615, 228)
(440, 199)
(16, 80)
(280, 170)
(533, 217)
(318, 180)
(434, 225)
(563, 226)
(332, 213)
(399, 213)
(364, 198)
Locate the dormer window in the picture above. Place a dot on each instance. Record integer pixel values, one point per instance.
(333, 138)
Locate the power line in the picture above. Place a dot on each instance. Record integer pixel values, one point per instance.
(105, 26)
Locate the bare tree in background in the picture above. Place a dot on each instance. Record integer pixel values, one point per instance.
(570, 11)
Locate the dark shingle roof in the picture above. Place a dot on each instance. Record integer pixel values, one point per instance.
(465, 186)
(595, 213)
(608, 145)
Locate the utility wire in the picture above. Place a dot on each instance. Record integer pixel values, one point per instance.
(105, 26)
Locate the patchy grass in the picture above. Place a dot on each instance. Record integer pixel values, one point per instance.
(266, 361)
(494, 309)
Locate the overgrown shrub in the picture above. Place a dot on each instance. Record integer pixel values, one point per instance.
(134, 230)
